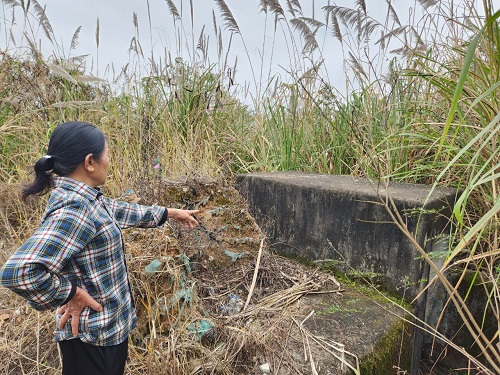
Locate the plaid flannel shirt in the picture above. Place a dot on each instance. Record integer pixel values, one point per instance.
(79, 242)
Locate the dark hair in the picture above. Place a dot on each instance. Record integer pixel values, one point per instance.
(69, 144)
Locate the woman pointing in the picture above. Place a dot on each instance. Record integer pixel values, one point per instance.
(75, 261)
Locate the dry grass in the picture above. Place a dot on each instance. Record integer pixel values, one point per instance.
(189, 290)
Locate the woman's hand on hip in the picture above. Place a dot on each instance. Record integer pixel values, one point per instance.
(74, 308)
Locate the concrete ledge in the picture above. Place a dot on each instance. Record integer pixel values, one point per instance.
(320, 217)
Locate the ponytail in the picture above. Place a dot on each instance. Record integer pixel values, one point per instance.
(43, 178)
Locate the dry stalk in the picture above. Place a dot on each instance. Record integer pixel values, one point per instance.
(330, 347)
(311, 359)
(281, 299)
(254, 280)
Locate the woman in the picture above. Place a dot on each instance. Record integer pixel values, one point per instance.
(75, 261)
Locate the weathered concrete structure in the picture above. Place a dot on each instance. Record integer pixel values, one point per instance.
(344, 219)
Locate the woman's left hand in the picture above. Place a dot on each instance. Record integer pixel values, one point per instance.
(74, 308)
(185, 217)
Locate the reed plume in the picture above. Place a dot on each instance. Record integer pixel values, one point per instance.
(74, 39)
(97, 33)
(229, 21)
(361, 4)
(294, 7)
(336, 29)
(307, 34)
(44, 21)
(173, 10)
(393, 13)
(62, 73)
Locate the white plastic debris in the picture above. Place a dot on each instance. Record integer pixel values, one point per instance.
(265, 368)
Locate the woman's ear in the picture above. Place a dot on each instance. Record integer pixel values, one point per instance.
(88, 163)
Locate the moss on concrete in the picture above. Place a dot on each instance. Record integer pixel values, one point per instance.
(358, 281)
(390, 354)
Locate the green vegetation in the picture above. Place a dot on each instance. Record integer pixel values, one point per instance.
(391, 355)
(432, 116)
(337, 309)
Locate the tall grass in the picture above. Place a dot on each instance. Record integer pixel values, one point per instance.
(429, 116)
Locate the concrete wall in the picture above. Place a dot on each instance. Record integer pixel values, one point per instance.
(320, 217)
(341, 218)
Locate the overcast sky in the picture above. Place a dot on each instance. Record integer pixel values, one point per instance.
(117, 30)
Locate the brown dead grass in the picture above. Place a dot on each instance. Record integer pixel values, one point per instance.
(190, 289)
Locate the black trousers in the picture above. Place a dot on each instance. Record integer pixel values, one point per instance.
(79, 358)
